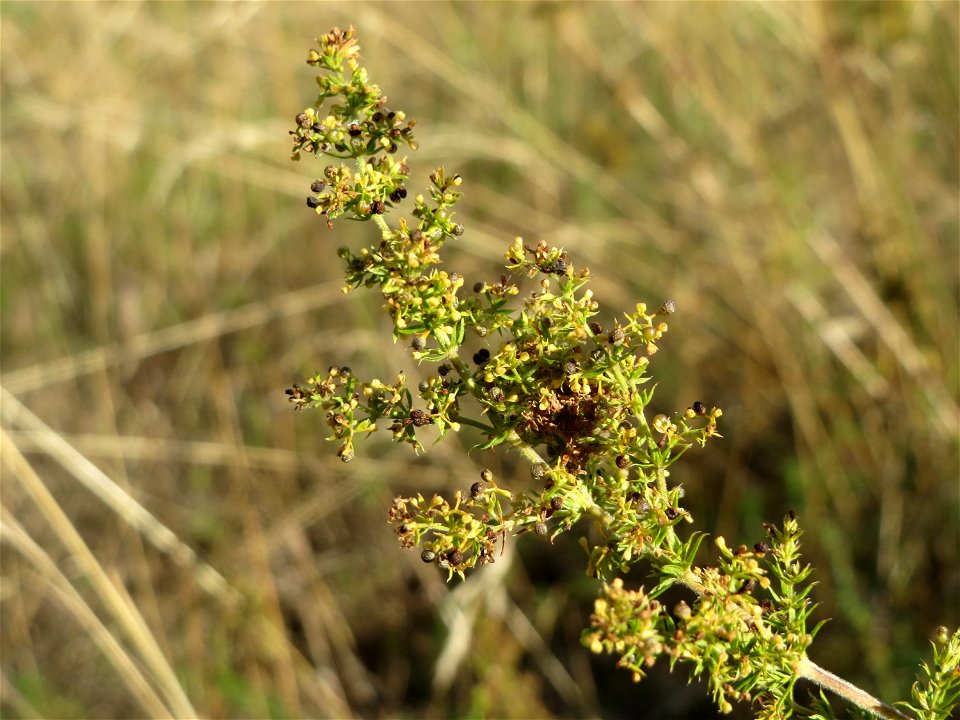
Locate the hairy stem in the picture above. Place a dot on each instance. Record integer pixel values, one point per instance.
(809, 670)
(527, 452)
(381, 223)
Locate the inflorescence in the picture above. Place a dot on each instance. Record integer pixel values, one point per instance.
(552, 383)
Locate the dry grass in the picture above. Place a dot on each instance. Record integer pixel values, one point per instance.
(177, 542)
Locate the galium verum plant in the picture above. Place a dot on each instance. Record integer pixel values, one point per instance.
(572, 397)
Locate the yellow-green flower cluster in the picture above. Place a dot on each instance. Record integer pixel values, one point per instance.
(359, 126)
(547, 374)
(628, 623)
(745, 637)
(354, 407)
(456, 536)
(546, 378)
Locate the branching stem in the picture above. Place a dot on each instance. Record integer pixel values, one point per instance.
(527, 452)
(546, 393)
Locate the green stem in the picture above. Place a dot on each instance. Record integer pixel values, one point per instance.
(628, 392)
(527, 452)
(381, 223)
(459, 365)
(488, 429)
(601, 517)
(661, 480)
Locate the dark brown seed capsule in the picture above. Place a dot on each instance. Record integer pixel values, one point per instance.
(419, 418)
(476, 489)
(669, 307)
(294, 392)
(455, 557)
(556, 503)
(428, 556)
(595, 327)
(486, 475)
(622, 462)
(541, 528)
(699, 408)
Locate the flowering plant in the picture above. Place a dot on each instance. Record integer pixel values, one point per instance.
(572, 398)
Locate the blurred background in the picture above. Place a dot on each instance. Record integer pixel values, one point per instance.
(177, 540)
